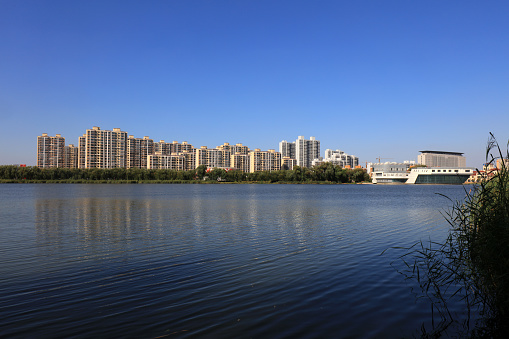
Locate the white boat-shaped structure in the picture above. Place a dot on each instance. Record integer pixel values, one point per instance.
(423, 175)
(439, 175)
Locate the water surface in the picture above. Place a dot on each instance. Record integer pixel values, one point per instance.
(253, 261)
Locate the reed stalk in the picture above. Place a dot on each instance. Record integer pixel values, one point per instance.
(472, 264)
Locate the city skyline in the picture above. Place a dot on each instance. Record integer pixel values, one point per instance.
(373, 79)
(106, 148)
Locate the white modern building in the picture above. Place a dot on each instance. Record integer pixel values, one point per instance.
(439, 175)
(441, 159)
(340, 158)
(390, 172)
(409, 173)
(306, 151)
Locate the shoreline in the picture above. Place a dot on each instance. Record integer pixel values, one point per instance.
(170, 182)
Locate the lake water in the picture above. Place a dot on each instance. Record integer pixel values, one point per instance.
(212, 261)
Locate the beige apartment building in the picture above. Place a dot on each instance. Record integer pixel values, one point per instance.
(50, 151)
(71, 156)
(235, 156)
(237, 148)
(170, 162)
(190, 160)
(162, 148)
(240, 162)
(264, 160)
(103, 149)
(176, 147)
(82, 150)
(138, 150)
(212, 157)
(288, 163)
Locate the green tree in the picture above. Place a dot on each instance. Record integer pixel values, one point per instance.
(200, 171)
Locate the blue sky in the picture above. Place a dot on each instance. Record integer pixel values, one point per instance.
(372, 78)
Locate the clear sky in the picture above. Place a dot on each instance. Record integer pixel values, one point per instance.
(372, 78)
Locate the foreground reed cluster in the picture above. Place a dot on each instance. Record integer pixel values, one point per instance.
(472, 264)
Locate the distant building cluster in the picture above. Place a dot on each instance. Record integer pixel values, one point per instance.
(99, 148)
(339, 158)
(306, 153)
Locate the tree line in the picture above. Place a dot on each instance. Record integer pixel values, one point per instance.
(325, 172)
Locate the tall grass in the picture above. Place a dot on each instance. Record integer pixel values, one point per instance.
(472, 264)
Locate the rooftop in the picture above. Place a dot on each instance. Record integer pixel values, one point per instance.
(443, 152)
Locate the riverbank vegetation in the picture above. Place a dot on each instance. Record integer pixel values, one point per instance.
(472, 264)
(323, 173)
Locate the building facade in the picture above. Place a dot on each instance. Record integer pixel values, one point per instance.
(176, 147)
(162, 147)
(441, 159)
(306, 151)
(103, 148)
(340, 158)
(71, 156)
(288, 163)
(264, 160)
(287, 149)
(240, 161)
(50, 151)
(170, 162)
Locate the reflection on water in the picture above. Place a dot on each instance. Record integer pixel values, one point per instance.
(211, 260)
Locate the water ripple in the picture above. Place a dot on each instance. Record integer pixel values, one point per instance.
(156, 261)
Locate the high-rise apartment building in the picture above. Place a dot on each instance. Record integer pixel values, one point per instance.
(287, 149)
(71, 156)
(162, 148)
(210, 157)
(213, 157)
(235, 156)
(264, 160)
(240, 161)
(306, 151)
(103, 148)
(176, 147)
(133, 152)
(237, 148)
(190, 160)
(441, 159)
(138, 150)
(302, 150)
(82, 150)
(172, 162)
(50, 151)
